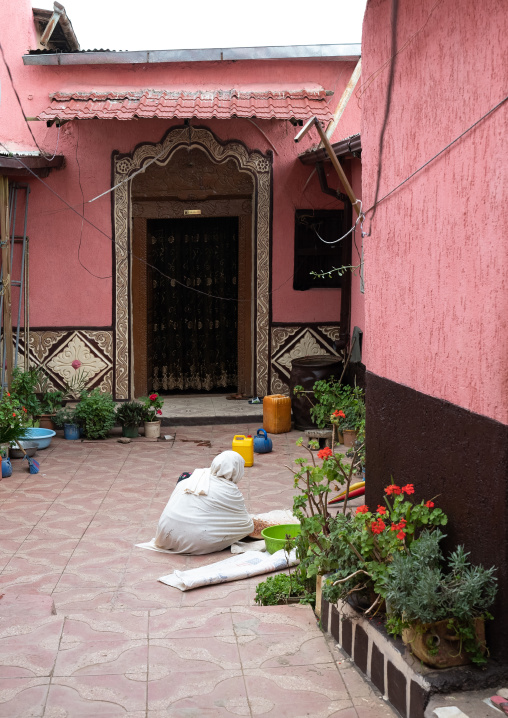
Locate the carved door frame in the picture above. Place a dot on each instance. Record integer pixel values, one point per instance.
(259, 166)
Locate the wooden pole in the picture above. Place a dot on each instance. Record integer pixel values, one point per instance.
(338, 167)
(346, 96)
(5, 241)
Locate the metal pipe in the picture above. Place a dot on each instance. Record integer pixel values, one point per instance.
(20, 297)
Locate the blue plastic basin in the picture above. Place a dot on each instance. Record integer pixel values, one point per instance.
(41, 437)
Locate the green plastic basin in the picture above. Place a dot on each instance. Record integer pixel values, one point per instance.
(275, 536)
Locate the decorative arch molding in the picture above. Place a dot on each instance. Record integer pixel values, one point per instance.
(259, 166)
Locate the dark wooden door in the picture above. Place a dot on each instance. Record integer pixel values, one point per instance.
(193, 313)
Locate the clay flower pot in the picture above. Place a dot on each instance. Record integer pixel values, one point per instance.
(437, 646)
(350, 436)
(152, 429)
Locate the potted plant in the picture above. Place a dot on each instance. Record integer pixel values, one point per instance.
(14, 422)
(440, 610)
(153, 408)
(350, 416)
(130, 414)
(367, 542)
(23, 386)
(50, 402)
(283, 589)
(96, 412)
(65, 418)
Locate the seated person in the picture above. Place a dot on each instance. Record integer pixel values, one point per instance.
(206, 511)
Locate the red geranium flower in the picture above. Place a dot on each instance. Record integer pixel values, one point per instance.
(362, 509)
(378, 526)
(324, 453)
(14, 414)
(393, 489)
(159, 411)
(398, 527)
(408, 489)
(401, 535)
(429, 504)
(381, 510)
(153, 397)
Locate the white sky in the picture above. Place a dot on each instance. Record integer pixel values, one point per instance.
(168, 24)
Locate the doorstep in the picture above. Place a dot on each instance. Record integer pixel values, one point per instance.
(403, 680)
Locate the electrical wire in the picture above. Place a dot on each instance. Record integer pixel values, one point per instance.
(370, 79)
(391, 76)
(382, 199)
(97, 276)
(44, 154)
(438, 154)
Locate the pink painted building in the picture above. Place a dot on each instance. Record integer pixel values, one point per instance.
(199, 146)
(436, 266)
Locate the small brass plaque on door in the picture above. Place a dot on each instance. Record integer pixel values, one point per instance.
(191, 211)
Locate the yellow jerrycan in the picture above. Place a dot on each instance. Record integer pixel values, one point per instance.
(244, 445)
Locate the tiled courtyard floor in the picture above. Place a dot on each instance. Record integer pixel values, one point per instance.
(86, 630)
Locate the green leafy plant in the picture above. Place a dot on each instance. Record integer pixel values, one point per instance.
(14, 419)
(368, 541)
(51, 401)
(351, 413)
(65, 415)
(421, 590)
(278, 589)
(315, 481)
(130, 413)
(96, 412)
(153, 406)
(23, 387)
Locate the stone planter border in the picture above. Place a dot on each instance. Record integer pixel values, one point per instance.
(403, 680)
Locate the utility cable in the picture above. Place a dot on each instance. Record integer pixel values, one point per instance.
(382, 199)
(44, 154)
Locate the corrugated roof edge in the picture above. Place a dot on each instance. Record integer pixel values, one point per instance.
(349, 52)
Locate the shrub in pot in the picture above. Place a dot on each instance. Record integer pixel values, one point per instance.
(440, 608)
(23, 387)
(14, 421)
(65, 418)
(367, 541)
(50, 402)
(96, 412)
(130, 414)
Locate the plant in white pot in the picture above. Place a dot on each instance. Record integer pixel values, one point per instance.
(153, 409)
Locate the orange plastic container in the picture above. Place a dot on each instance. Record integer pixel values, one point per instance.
(244, 445)
(277, 414)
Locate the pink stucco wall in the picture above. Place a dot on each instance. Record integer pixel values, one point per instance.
(66, 294)
(436, 264)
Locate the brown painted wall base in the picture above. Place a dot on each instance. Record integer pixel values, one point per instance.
(444, 449)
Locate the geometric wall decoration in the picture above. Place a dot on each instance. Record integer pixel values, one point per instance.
(292, 342)
(65, 353)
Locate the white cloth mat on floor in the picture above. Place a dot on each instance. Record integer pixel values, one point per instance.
(237, 567)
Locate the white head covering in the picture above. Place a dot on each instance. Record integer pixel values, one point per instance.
(229, 465)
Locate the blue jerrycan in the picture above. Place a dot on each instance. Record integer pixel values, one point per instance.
(6, 468)
(262, 444)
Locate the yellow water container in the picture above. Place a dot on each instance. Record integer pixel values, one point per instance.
(244, 445)
(277, 414)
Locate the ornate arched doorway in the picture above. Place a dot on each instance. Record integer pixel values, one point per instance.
(191, 169)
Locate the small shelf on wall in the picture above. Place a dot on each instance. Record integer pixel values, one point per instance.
(312, 254)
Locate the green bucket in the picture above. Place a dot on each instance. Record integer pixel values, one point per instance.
(275, 536)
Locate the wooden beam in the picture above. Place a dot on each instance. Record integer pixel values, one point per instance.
(6, 277)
